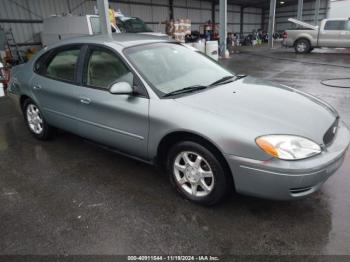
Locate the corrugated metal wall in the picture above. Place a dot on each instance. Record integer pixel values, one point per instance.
(251, 18)
(198, 11)
(283, 13)
(153, 12)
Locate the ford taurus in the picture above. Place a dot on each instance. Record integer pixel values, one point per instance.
(161, 102)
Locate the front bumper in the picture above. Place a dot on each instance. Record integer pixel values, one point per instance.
(286, 180)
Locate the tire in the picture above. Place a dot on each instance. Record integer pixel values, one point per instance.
(302, 46)
(35, 121)
(185, 173)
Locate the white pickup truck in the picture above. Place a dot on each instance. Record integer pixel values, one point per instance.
(330, 33)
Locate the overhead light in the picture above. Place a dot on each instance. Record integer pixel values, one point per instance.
(282, 3)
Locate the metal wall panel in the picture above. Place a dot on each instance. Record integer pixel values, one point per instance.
(160, 14)
(205, 4)
(182, 3)
(194, 4)
(180, 13)
(205, 16)
(251, 21)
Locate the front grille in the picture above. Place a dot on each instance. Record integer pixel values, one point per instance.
(331, 132)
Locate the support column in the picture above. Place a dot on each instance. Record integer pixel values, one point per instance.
(272, 18)
(213, 6)
(223, 26)
(300, 10)
(263, 19)
(171, 9)
(317, 11)
(102, 6)
(69, 7)
(241, 22)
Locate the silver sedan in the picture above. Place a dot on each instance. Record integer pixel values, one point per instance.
(210, 130)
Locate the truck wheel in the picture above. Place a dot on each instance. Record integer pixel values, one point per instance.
(302, 46)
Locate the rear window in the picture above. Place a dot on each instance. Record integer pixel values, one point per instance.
(336, 25)
(62, 66)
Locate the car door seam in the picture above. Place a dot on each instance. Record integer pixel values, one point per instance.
(97, 125)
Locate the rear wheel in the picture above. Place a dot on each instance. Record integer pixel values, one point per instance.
(196, 173)
(302, 46)
(35, 121)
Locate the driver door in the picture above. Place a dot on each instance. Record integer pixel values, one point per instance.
(118, 121)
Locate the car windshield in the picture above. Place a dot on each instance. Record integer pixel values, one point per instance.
(169, 67)
(132, 25)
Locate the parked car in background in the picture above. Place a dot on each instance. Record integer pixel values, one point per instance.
(330, 33)
(161, 102)
(127, 24)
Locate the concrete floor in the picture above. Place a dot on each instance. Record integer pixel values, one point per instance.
(68, 196)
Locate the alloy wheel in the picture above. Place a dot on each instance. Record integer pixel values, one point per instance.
(35, 120)
(193, 174)
(301, 47)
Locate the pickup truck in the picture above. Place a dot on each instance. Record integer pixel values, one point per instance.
(330, 33)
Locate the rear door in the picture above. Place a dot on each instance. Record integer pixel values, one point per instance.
(119, 121)
(331, 35)
(54, 86)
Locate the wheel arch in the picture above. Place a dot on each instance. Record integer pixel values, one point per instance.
(174, 137)
(302, 38)
(22, 99)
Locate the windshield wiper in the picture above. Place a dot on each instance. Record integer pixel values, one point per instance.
(222, 80)
(188, 89)
(227, 79)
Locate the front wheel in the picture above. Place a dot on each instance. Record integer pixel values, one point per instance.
(302, 46)
(196, 173)
(35, 121)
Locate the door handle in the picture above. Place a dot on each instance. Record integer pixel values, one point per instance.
(85, 100)
(36, 87)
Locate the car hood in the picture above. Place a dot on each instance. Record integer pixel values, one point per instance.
(265, 108)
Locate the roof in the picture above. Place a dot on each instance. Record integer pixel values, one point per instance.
(122, 39)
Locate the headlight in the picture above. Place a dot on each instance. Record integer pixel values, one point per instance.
(288, 147)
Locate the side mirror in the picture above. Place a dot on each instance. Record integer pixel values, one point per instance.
(121, 88)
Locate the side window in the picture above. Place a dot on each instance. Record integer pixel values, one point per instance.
(104, 68)
(39, 65)
(62, 65)
(335, 25)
